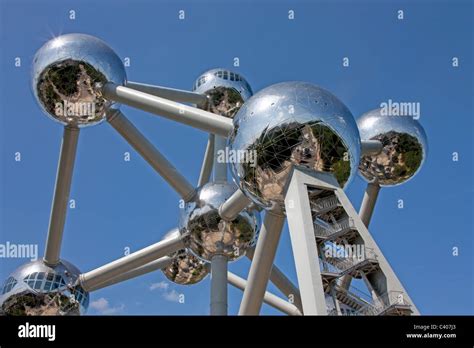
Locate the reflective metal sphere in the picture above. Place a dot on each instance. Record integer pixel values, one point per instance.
(404, 147)
(207, 234)
(292, 123)
(227, 91)
(37, 289)
(186, 269)
(68, 72)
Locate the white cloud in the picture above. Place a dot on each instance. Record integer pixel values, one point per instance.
(102, 306)
(171, 296)
(161, 286)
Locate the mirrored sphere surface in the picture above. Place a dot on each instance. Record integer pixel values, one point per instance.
(67, 74)
(226, 91)
(37, 289)
(291, 123)
(207, 234)
(185, 269)
(404, 149)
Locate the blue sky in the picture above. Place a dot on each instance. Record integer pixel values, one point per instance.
(126, 204)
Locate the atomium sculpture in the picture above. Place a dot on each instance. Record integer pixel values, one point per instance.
(307, 147)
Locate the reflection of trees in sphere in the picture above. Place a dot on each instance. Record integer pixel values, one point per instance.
(207, 234)
(404, 147)
(227, 91)
(68, 72)
(38, 289)
(292, 123)
(185, 269)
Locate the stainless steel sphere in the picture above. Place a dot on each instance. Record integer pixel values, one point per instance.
(68, 72)
(37, 289)
(292, 123)
(185, 269)
(206, 234)
(226, 91)
(404, 147)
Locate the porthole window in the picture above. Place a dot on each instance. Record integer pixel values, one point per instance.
(9, 284)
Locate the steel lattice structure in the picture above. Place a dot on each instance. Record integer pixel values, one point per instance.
(295, 147)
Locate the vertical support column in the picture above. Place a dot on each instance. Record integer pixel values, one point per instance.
(219, 262)
(62, 189)
(219, 285)
(323, 257)
(220, 164)
(305, 251)
(262, 263)
(336, 301)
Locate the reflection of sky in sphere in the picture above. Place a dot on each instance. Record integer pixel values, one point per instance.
(293, 103)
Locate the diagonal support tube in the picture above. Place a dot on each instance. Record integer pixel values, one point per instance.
(177, 95)
(234, 205)
(278, 278)
(234, 280)
(368, 202)
(185, 114)
(62, 189)
(207, 162)
(370, 147)
(268, 297)
(146, 149)
(149, 267)
(92, 279)
(262, 263)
